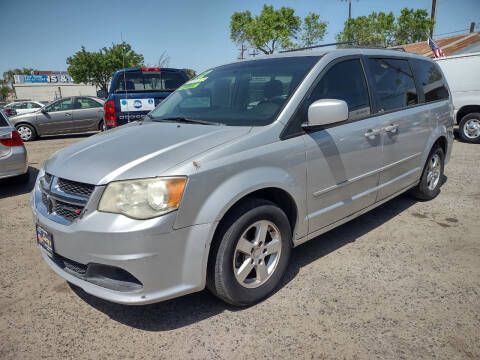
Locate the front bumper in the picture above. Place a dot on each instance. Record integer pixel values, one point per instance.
(167, 262)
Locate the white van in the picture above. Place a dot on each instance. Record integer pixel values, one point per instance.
(463, 77)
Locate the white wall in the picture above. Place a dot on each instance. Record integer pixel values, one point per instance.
(48, 92)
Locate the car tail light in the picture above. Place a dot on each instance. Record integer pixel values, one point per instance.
(14, 140)
(151, 69)
(10, 112)
(110, 115)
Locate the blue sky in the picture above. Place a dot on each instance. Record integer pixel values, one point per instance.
(194, 33)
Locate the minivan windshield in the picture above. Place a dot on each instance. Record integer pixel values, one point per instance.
(249, 93)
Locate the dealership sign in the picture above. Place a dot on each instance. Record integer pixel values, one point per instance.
(44, 78)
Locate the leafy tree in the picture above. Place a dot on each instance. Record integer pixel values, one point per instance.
(97, 68)
(376, 29)
(4, 90)
(267, 32)
(313, 29)
(413, 26)
(380, 29)
(190, 73)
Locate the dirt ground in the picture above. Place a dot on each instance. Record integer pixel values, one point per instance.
(401, 282)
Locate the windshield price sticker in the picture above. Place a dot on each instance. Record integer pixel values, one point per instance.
(195, 81)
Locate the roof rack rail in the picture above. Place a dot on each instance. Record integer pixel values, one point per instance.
(352, 44)
(317, 46)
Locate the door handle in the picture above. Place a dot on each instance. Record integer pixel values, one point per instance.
(372, 134)
(392, 129)
(68, 114)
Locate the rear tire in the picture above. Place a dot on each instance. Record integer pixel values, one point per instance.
(27, 132)
(250, 253)
(432, 176)
(469, 128)
(101, 126)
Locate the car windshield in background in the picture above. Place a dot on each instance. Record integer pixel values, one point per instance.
(249, 93)
(137, 81)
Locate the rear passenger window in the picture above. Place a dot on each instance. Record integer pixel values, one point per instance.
(345, 81)
(394, 84)
(430, 79)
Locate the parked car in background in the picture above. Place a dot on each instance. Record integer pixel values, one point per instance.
(463, 76)
(8, 111)
(68, 115)
(13, 155)
(24, 107)
(236, 167)
(135, 92)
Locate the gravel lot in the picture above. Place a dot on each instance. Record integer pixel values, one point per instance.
(402, 281)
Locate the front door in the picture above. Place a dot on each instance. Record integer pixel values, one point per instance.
(57, 118)
(87, 114)
(343, 160)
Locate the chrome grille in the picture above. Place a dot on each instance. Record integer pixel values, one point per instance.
(66, 210)
(63, 200)
(75, 188)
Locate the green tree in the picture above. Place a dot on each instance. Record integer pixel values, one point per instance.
(384, 30)
(4, 91)
(190, 73)
(376, 29)
(313, 29)
(413, 26)
(97, 68)
(267, 32)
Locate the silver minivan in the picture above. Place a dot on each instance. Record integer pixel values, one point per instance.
(238, 166)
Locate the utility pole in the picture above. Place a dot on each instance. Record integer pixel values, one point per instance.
(434, 9)
(349, 9)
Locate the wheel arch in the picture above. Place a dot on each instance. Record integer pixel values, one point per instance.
(27, 123)
(465, 110)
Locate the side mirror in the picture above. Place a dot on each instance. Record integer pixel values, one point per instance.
(43, 110)
(101, 94)
(325, 112)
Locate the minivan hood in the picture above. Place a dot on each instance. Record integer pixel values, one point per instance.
(137, 150)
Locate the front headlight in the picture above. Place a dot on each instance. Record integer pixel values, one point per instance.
(143, 198)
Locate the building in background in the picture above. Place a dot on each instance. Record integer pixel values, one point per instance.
(46, 86)
(452, 45)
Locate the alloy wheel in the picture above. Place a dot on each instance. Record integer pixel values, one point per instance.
(434, 171)
(257, 254)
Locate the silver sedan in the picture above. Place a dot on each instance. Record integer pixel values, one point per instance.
(13, 155)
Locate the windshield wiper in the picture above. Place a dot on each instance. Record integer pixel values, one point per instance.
(186, 120)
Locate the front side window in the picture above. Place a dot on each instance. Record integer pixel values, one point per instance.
(394, 84)
(249, 93)
(345, 81)
(60, 105)
(430, 79)
(137, 81)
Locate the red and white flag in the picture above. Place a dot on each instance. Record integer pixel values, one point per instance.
(436, 50)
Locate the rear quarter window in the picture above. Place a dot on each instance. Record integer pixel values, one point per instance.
(3, 121)
(430, 79)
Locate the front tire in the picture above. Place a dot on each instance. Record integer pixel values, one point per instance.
(469, 128)
(250, 253)
(432, 176)
(27, 132)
